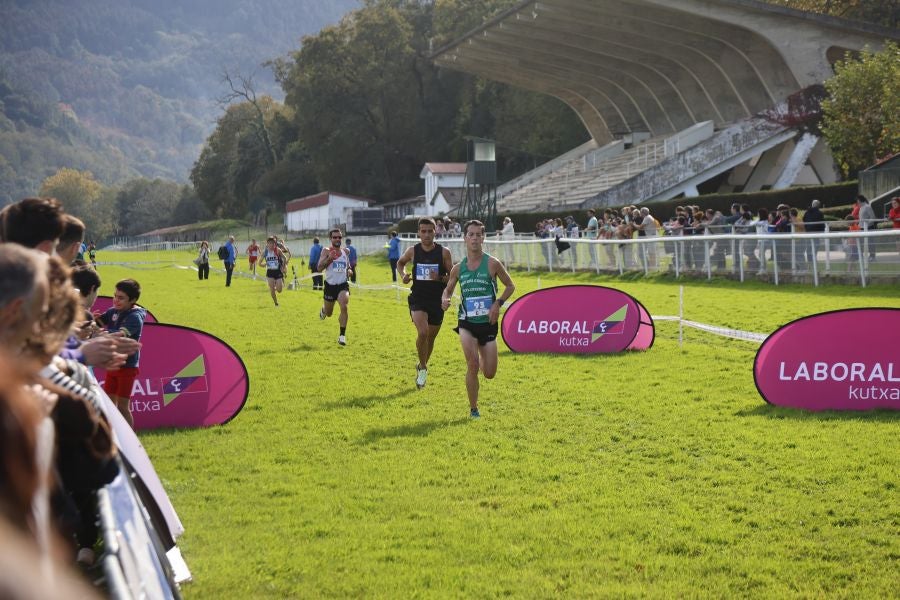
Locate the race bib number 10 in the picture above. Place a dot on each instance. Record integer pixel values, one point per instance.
(426, 272)
(479, 306)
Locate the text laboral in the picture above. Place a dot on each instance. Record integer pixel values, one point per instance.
(839, 371)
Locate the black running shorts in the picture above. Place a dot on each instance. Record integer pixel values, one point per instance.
(332, 291)
(483, 332)
(433, 308)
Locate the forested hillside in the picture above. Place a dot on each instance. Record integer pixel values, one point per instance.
(128, 87)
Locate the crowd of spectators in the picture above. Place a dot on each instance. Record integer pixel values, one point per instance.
(691, 220)
(56, 445)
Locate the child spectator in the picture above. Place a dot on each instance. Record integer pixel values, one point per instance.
(127, 319)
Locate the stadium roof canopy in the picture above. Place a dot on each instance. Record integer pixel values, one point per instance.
(659, 66)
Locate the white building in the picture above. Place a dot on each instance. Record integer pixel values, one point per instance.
(322, 211)
(444, 187)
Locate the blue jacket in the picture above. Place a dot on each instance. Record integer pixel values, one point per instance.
(394, 249)
(353, 256)
(232, 253)
(314, 253)
(131, 322)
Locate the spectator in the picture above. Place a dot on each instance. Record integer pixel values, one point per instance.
(797, 226)
(315, 252)
(744, 225)
(84, 444)
(650, 228)
(34, 223)
(867, 222)
(894, 217)
(717, 225)
(87, 282)
(24, 290)
(354, 258)
(202, 261)
(230, 260)
(70, 240)
(761, 224)
(813, 222)
(128, 318)
(508, 234)
(394, 254)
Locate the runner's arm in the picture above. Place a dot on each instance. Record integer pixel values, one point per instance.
(405, 258)
(451, 285)
(448, 264)
(496, 269)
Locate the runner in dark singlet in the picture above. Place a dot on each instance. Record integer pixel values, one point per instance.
(431, 264)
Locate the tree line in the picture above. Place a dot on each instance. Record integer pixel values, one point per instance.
(365, 108)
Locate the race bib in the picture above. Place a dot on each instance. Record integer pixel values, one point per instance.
(272, 262)
(339, 267)
(426, 272)
(479, 306)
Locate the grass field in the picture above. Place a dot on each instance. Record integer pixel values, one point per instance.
(659, 474)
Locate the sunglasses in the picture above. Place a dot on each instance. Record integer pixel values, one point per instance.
(336, 237)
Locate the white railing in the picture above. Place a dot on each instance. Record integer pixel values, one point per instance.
(776, 257)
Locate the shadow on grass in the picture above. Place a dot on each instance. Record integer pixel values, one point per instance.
(365, 401)
(778, 412)
(280, 350)
(416, 430)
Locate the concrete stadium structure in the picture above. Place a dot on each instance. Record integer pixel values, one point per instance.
(636, 70)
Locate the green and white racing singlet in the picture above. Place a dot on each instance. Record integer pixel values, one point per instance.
(478, 291)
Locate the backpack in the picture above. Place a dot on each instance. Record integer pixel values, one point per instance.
(223, 252)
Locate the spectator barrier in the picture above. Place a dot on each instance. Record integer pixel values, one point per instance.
(796, 256)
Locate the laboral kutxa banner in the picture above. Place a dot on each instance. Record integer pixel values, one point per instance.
(839, 360)
(575, 319)
(187, 378)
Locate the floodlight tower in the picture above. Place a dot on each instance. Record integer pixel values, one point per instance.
(480, 200)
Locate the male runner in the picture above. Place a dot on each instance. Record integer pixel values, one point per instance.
(252, 255)
(479, 308)
(335, 262)
(431, 267)
(275, 267)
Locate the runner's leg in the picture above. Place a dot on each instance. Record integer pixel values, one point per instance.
(470, 351)
(488, 355)
(343, 300)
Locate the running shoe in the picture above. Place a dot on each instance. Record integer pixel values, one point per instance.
(322, 313)
(473, 412)
(421, 374)
(342, 340)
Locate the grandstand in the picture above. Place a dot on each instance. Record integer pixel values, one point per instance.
(673, 93)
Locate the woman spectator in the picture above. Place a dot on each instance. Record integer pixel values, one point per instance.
(84, 444)
(202, 261)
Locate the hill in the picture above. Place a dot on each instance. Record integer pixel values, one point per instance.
(128, 88)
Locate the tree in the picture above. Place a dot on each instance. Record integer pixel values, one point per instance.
(861, 118)
(881, 13)
(82, 196)
(145, 205)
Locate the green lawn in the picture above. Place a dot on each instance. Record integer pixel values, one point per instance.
(660, 473)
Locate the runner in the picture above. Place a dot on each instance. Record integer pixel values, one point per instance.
(479, 308)
(275, 268)
(335, 262)
(252, 255)
(431, 267)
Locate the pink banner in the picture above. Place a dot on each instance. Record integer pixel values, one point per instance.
(840, 360)
(104, 303)
(576, 319)
(187, 379)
